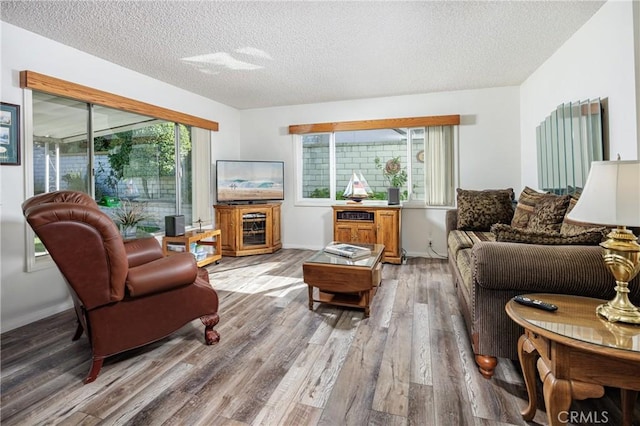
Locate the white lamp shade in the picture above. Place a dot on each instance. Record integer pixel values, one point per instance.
(611, 195)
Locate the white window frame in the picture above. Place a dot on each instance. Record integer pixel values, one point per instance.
(33, 263)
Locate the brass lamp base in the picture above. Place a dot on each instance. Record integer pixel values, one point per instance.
(624, 314)
(622, 258)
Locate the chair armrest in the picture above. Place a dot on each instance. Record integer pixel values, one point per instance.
(143, 250)
(162, 274)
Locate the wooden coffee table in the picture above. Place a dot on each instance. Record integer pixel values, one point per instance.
(344, 282)
(579, 353)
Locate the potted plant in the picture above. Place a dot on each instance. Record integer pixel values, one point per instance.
(128, 215)
(394, 175)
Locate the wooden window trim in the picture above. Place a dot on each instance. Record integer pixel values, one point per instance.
(55, 86)
(387, 123)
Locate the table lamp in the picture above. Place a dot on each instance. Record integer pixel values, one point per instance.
(611, 197)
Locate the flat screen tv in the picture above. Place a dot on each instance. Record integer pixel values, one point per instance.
(249, 181)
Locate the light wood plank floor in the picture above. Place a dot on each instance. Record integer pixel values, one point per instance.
(278, 363)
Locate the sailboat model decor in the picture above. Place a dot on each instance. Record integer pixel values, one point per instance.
(358, 189)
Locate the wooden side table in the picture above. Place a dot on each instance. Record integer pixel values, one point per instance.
(208, 237)
(579, 353)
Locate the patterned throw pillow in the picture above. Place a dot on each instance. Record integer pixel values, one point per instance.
(548, 213)
(478, 210)
(573, 227)
(526, 206)
(507, 233)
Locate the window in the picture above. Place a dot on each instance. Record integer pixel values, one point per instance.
(327, 160)
(366, 152)
(316, 176)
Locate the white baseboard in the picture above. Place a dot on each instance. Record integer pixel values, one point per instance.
(28, 318)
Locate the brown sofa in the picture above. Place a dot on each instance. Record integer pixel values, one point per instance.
(126, 293)
(487, 274)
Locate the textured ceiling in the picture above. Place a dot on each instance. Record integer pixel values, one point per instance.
(261, 54)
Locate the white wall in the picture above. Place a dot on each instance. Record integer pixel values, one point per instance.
(489, 153)
(597, 61)
(26, 297)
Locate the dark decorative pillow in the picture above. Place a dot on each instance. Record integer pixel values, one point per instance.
(478, 210)
(548, 213)
(573, 227)
(507, 233)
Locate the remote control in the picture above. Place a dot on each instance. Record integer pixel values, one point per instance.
(535, 303)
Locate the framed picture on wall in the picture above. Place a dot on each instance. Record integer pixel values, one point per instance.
(9, 134)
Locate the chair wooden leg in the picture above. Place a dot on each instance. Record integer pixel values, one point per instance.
(487, 365)
(211, 336)
(96, 365)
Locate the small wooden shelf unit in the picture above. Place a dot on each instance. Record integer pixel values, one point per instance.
(249, 229)
(354, 223)
(208, 237)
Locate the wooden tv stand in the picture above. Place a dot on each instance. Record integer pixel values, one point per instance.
(249, 229)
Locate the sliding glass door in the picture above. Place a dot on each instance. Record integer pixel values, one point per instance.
(131, 158)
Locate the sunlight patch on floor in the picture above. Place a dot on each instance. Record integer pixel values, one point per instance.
(250, 271)
(267, 285)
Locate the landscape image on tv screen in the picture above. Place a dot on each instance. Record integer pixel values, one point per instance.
(249, 180)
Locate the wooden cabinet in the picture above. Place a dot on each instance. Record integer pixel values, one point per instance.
(354, 232)
(370, 225)
(388, 233)
(249, 228)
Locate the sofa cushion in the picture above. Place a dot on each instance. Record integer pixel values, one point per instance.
(477, 236)
(548, 214)
(478, 210)
(507, 233)
(460, 240)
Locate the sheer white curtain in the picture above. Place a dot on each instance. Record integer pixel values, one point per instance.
(439, 165)
(201, 166)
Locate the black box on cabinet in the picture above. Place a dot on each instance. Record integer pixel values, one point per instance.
(393, 196)
(174, 225)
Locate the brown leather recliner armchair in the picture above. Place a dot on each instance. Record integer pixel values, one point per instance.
(126, 293)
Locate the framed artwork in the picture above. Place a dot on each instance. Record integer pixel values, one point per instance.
(9, 134)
